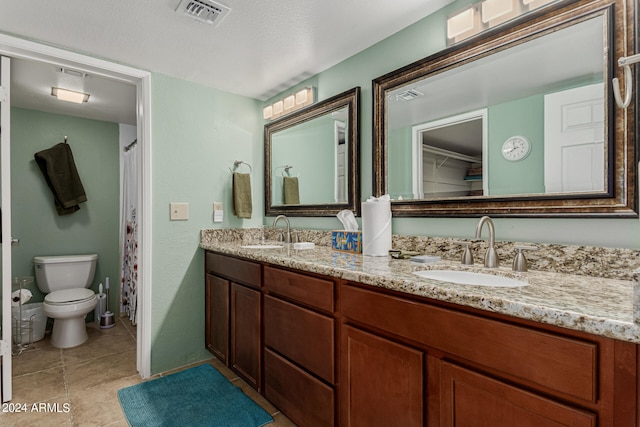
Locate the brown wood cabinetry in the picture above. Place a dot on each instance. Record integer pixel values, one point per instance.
(233, 315)
(217, 316)
(469, 398)
(383, 381)
(246, 342)
(486, 370)
(299, 338)
(340, 353)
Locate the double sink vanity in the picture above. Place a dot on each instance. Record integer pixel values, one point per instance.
(333, 338)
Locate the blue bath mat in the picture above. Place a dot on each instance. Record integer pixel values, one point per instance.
(199, 396)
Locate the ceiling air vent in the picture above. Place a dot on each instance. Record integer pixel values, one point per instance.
(204, 10)
(409, 94)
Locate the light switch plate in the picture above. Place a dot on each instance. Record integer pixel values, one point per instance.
(218, 213)
(179, 211)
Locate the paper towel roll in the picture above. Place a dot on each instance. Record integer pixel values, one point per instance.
(376, 227)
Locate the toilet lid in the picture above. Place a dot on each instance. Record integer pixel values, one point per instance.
(66, 296)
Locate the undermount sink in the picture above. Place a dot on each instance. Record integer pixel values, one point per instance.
(264, 246)
(471, 278)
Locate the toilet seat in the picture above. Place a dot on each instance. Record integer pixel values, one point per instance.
(69, 296)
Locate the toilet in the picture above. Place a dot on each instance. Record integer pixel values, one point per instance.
(65, 281)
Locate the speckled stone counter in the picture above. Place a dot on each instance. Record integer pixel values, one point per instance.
(597, 305)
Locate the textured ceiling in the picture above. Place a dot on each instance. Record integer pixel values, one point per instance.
(259, 49)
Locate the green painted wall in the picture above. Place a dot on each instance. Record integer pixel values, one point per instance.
(92, 229)
(310, 149)
(197, 133)
(399, 164)
(523, 117)
(415, 42)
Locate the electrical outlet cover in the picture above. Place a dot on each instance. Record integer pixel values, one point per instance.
(179, 211)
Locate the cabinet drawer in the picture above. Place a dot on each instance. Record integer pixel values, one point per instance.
(237, 270)
(304, 399)
(562, 364)
(302, 335)
(299, 287)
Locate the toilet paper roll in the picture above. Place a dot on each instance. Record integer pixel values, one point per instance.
(20, 297)
(376, 227)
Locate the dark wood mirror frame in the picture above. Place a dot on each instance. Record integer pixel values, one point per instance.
(621, 126)
(350, 99)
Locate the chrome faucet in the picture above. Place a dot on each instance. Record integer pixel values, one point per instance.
(287, 236)
(491, 259)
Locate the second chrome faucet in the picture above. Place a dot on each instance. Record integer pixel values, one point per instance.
(491, 259)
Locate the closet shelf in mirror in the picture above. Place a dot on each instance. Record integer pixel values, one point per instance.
(450, 154)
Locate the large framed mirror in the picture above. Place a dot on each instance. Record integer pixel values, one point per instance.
(312, 165)
(520, 121)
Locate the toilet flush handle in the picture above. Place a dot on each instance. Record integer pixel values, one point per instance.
(15, 241)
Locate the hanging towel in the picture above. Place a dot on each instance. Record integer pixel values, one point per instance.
(242, 195)
(60, 173)
(291, 192)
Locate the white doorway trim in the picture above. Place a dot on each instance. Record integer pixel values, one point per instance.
(23, 49)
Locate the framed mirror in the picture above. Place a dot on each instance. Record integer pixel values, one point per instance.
(519, 121)
(311, 157)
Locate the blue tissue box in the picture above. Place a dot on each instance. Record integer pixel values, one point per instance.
(347, 241)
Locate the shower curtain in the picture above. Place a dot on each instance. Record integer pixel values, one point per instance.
(129, 233)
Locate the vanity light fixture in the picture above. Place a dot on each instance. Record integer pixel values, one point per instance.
(495, 12)
(278, 108)
(462, 24)
(486, 14)
(69, 95)
(289, 104)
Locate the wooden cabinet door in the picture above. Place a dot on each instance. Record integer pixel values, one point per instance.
(468, 398)
(382, 381)
(217, 317)
(245, 333)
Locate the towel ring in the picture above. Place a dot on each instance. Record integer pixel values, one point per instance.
(238, 163)
(625, 63)
(286, 169)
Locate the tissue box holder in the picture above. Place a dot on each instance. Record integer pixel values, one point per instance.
(347, 241)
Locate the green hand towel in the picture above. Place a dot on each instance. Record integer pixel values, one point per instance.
(242, 195)
(60, 173)
(291, 192)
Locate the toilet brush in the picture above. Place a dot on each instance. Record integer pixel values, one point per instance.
(107, 319)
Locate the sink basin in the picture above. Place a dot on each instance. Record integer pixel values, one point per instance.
(265, 246)
(471, 278)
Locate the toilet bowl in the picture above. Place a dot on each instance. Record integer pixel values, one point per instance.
(68, 309)
(65, 280)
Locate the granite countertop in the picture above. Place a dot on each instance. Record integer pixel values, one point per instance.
(595, 305)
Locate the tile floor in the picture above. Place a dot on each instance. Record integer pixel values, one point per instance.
(80, 384)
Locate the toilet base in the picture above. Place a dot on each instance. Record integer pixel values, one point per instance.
(69, 333)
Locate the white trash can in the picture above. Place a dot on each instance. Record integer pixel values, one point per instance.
(32, 326)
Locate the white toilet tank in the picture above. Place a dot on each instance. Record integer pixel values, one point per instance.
(54, 273)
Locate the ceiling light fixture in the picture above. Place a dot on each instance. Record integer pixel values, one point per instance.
(69, 95)
(289, 104)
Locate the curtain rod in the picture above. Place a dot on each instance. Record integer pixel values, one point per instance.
(130, 146)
